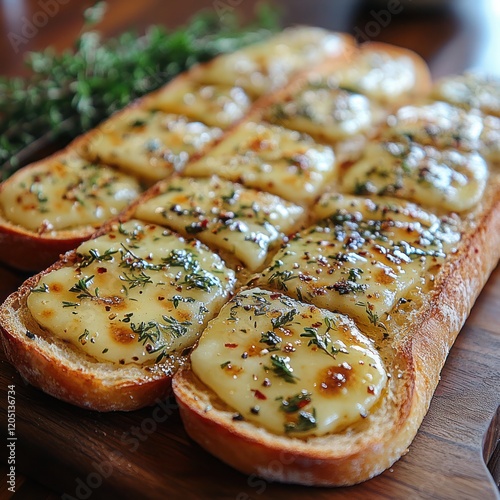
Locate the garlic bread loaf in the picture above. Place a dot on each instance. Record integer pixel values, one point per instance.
(298, 277)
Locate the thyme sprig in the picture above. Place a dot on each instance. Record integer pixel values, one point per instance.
(81, 287)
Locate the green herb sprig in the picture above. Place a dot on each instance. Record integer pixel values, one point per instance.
(69, 93)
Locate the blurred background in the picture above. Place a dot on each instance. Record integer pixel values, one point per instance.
(452, 35)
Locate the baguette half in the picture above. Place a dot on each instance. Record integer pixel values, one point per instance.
(32, 250)
(418, 350)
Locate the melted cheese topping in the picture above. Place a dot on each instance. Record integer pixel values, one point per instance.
(362, 258)
(379, 75)
(490, 139)
(324, 112)
(266, 66)
(150, 144)
(214, 105)
(148, 293)
(471, 91)
(447, 180)
(66, 193)
(270, 158)
(439, 124)
(289, 367)
(223, 214)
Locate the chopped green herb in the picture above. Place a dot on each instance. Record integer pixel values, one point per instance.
(305, 422)
(372, 316)
(70, 304)
(281, 367)
(84, 337)
(177, 299)
(296, 403)
(270, 338)
(134, 280)
(281, 278)
(345, 287)
(202, 280)
(284, 318)
(175, 327)
(81, 287)
(321, 341)
(95, 256)
(41, 289)
(182, 258)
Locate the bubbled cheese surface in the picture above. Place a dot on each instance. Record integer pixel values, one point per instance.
(147, 291)
(271, 158)
(149, 144)
(214, 105)
(471, 91)
(66, 193)
(362, 257)
(289, 367)
(323, 111)
(224, 215)
(441, 179)
(379, 75)
(438, 124)
(263, 67)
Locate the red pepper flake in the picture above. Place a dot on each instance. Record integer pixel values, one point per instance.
(231, 346)
(259, 394)
(317, 324)
(275, 296)
(102, 270)
(302, 403)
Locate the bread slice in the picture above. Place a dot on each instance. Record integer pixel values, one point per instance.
(52, 365)
(134, 280)
(413, 334)
(52, 205)
(419, 344)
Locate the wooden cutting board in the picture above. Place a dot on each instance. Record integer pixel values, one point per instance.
(147, 454)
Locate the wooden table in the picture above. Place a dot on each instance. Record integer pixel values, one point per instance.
(60, 447)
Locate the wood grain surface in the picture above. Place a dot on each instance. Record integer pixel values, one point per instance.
(147, 454)
(62, 450)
